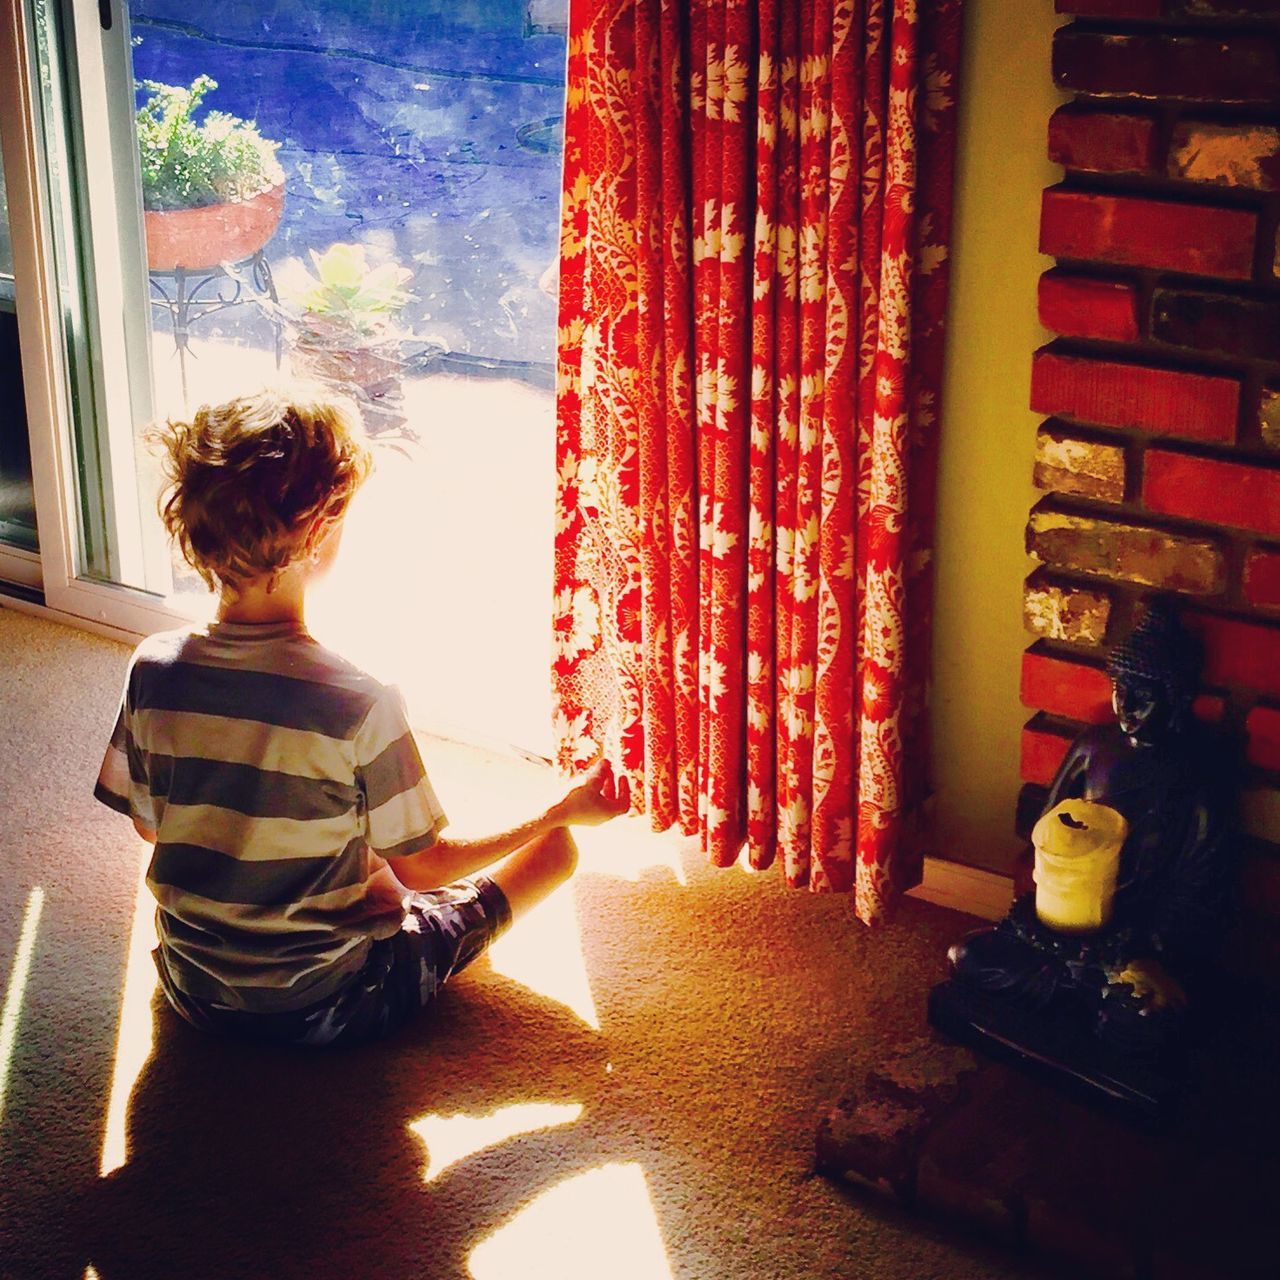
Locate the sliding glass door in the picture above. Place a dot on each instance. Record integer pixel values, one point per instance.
(359, 192)
(19, 542)
(75, 262)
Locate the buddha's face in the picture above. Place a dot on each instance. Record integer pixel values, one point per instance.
(1143, 709)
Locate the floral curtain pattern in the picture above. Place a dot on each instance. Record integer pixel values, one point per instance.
(753, 284)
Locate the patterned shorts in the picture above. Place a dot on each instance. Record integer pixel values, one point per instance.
(444, 931)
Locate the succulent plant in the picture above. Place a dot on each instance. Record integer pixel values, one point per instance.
(347, 292)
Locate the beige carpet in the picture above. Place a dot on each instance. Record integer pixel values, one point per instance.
(627, 1087)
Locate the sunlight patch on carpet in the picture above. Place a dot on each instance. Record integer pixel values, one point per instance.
(133, 1040)
(15, 995)
(627, 849)
(600, 1223)
(544, 953)
(544, 949)
(452, 1138)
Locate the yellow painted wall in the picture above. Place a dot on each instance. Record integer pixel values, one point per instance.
(1007, 96)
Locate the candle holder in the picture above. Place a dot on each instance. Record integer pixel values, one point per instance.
(1077, 859)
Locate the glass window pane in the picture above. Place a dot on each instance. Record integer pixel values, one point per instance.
(367, 193)
(6, 245)
(17, 498)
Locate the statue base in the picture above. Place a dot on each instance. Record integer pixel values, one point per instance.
(1059, 1045)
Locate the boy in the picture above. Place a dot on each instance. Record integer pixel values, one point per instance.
(305, 893)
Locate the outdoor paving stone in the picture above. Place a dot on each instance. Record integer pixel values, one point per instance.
(401, 129)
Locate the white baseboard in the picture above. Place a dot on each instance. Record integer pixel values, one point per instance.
(952, 884)
(20, 605)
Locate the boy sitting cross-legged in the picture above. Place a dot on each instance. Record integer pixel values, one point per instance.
(305, 893)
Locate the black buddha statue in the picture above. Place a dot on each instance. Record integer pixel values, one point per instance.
(1127, 983)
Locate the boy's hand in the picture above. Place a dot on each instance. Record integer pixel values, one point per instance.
(597, 798)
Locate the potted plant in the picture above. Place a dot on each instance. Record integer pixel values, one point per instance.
(212, 192)
(346, 329)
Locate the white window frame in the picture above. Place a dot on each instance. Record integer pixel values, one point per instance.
(44, 362)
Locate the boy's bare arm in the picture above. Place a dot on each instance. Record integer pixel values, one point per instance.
(145, 832)
(595, 800)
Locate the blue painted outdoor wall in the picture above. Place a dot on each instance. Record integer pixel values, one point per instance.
(428, 131)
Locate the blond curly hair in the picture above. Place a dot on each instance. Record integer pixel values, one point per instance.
(246, 482)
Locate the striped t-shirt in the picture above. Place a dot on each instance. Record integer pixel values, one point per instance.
(278, 778)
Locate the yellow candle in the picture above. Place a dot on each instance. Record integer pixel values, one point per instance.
(1077, 847)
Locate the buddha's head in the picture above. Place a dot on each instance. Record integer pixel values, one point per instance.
(1155, 674)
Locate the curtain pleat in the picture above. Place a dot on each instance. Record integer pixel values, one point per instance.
(753, 279)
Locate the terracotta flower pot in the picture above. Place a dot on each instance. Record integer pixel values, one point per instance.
(367, 367)
(199, 239)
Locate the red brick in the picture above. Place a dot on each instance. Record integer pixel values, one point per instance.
(1081, 691)
(1244, 654)
(1223, 8)
(1260, 880)
(1042, 752)
(873, 1135)
(1073, 690)
(1229, 155)
(1269, 417)
(1138, 9)
(1112, 8)
(1102, 141)
(1062, 612)
(1210, 707)
(1172, 402)
(966, 1202)
(872, 1141)
(1131, 552)
(1227, 493)
(1071, 463)
(1251, 950)
(1030, 805)
(1072, 1233)
(1262, 724)
(1196, 238)
(1131, 9)
(1262, 578)
(1085, 307)
(1260, 818)
(924, 1072)
(1217, 322)
(1234, 68)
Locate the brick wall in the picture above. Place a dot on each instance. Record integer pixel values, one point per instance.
(1159, 456)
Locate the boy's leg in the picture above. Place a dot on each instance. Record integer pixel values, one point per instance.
(446, 930)
(536, 869)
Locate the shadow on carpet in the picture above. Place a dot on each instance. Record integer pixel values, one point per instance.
(251, 1161)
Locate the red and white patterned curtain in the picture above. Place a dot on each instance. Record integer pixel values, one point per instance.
(752, 290)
